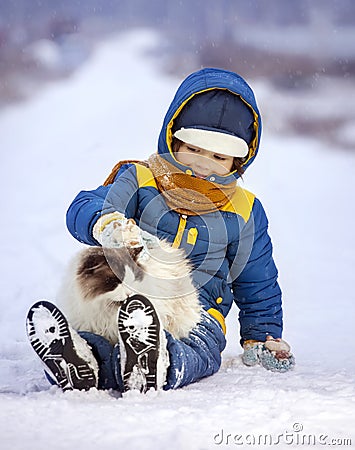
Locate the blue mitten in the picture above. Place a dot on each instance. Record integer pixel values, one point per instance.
(274, 354)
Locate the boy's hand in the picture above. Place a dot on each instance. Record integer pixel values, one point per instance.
(274, 354)
(114, 230)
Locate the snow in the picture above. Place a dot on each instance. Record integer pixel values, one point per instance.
(67, 138)
(139, 319)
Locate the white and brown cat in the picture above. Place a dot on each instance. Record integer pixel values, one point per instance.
(99, 279)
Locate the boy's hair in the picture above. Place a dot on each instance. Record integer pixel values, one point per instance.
(237, 162)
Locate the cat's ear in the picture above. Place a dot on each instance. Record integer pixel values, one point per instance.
(134, 252)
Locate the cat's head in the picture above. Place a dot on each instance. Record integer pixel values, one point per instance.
(108, 270)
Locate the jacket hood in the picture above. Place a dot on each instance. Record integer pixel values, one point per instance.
(200, 82)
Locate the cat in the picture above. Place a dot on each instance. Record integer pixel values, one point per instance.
(99, 279)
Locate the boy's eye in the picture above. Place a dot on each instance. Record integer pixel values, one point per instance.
(220, 158)
(191, 149)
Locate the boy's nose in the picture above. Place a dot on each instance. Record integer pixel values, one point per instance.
(203, 162)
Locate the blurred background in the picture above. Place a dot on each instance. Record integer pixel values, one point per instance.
(301, 52)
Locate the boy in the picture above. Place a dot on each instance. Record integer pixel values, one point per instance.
(186, 193)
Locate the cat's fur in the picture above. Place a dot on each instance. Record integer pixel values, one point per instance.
(99, 279)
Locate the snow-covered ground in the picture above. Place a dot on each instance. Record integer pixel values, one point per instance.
(67, 139)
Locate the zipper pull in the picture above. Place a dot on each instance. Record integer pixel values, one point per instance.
(180, 231)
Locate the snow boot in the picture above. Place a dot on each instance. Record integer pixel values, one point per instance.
(67, 357)
(144, 356)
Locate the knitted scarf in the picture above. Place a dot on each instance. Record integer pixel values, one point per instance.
(182, 192)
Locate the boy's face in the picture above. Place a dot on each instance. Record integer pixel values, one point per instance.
(204, 162)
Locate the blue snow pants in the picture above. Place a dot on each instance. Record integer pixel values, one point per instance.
(191, 358)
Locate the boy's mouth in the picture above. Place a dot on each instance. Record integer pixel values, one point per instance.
(199, 175)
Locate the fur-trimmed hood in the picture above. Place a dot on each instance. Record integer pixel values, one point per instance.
(197, 83)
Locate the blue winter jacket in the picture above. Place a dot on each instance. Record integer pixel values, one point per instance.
(230, 249)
